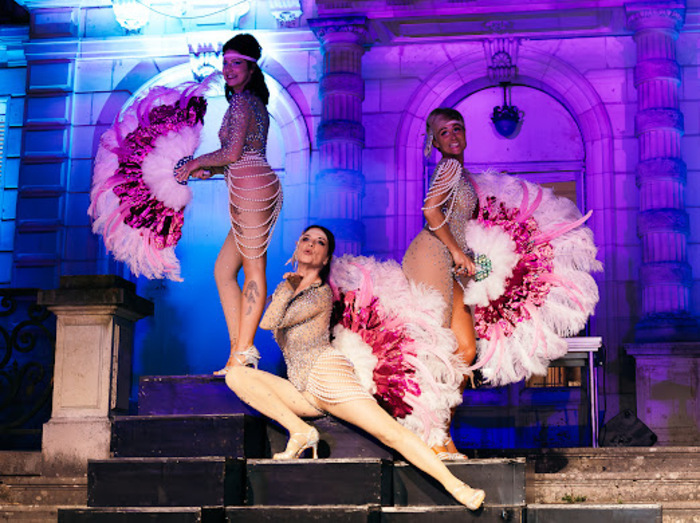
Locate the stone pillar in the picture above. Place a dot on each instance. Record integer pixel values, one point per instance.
(341, 136)
(95, 318)
(667, 348)
(663, 224)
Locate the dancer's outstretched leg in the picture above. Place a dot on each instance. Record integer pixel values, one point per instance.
(369, 416)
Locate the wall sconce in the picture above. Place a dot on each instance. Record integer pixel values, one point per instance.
(507, 117)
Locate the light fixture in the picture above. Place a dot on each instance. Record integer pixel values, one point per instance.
(506, 118)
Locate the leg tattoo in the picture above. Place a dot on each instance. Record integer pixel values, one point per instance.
(251, 294)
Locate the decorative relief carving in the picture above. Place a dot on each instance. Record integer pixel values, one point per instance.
(205, 57)
(286, 12)
(498, 26)
(502, 57)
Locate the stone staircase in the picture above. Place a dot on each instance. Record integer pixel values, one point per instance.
(194, 453)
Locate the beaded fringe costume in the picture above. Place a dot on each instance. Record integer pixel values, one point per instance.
(255, 191)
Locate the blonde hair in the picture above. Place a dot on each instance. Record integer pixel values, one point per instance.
(444, 112)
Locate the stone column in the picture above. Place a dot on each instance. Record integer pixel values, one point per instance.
(341, 136)
(663, 224)
(95, 318)
(667, 348)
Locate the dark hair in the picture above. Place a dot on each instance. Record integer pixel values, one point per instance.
(326, 270)
(247, 45)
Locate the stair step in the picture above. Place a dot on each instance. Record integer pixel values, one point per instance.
(318, 482)
(142, 515)
(437, 514)
(196, 394)
(28, 513)
(339, 440)
(165, 482)
(43, 491)
(304, 514)
(582, 513)
(502, 479)
(236, 435)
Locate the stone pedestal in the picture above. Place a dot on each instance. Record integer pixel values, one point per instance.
(95, 318)
(667, 381)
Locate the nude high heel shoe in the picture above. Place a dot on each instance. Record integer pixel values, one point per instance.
(298, 443)
(247, 358)
(467, 496)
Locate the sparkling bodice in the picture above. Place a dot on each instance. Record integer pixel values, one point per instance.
(300, 326)
(246, 121)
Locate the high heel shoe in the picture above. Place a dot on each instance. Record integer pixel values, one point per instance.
(450, 455)
(298, 443)
(246, 358)
(467, 496)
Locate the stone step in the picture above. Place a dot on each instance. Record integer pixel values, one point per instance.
(43, 491)
(304, 514)
(20, 463)
(615, 487)
(163, 482)
(646, 461)
(236, 435)
(28, 513)
(681, 511)
(319, 482)
(187, 395)
(433, 514)
(582, 513)
(142, 515)
(502, 479)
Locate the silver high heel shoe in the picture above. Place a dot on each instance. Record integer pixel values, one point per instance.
(247, 358)
(467, 496)
(298, 443)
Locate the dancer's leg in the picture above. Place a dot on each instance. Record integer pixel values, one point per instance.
(272, 396)
(252, 300)
(226, 269)
(463, 326)
(369, 416)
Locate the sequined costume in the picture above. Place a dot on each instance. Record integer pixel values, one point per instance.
(427, 259)
(300, 325)
(255, 191)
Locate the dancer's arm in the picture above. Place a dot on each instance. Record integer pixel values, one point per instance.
(441, 192)
(317, 300)
(234, 127)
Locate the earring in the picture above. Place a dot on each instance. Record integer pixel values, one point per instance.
(428, 148)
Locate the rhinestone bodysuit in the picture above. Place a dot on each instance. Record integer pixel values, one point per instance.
(300, 325)
(427, 259)
(255, 191)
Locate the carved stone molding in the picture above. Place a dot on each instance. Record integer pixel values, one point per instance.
(655, 18)
(502, 57)
(325, 28)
